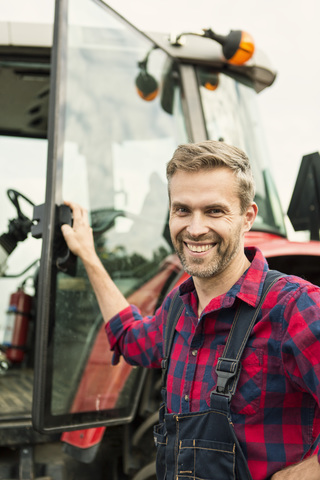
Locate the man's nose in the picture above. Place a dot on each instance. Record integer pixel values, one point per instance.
(197, 226)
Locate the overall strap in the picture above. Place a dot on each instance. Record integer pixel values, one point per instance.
(174, 313)
(229, 366)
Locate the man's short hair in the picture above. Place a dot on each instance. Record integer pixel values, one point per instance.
(193, 157)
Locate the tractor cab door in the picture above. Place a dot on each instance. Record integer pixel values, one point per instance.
(107, 150)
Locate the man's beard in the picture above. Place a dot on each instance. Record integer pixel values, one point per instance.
(201, 267)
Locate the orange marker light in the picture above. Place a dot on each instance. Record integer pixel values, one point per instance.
(244, 51)
(147, 97)
(237, 46)
(147, 86)
(209, 79)
(209, 86)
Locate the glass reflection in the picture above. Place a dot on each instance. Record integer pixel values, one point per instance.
(231, 115)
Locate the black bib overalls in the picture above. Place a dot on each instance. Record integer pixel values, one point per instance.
(200, 445)
(203, 445)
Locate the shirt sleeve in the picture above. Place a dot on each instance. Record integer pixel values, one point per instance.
(301, 349)
(138, 339)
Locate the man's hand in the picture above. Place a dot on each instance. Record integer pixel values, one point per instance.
(79, 237)
(308, 469)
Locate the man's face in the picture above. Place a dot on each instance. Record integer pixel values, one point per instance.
(206, 224)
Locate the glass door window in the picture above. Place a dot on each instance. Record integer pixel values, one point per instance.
(112, 150)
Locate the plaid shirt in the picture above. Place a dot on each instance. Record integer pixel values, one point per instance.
(275, 409)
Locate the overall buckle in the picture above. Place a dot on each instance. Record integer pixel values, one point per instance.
(228, 371)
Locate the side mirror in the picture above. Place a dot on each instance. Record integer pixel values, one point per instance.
(304, 208)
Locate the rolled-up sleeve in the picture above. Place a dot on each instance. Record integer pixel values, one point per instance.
(138, 339)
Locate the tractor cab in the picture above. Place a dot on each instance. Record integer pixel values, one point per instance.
(94, 118)
(121, 101)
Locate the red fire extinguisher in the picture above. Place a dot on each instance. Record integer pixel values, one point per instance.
(16, 330)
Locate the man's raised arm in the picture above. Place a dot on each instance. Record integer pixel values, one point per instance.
(79, 239)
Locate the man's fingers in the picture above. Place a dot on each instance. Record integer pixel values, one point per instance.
(80, 214)
(76, 211)
(66, 230)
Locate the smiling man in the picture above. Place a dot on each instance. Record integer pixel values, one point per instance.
(207, 218)
(273, 417)
(206, 228)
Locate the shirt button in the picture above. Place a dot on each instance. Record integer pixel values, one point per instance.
(194, 352)
(186, 397)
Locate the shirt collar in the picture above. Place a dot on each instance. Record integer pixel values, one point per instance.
(248, 288)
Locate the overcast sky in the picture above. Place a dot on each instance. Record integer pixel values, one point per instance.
(286, 30)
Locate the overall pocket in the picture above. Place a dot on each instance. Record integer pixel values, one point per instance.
(160, 441)
(206, 460)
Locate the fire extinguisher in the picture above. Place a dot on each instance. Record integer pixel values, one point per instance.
(17, 323)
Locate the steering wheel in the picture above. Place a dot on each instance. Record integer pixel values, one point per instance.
(14, 196)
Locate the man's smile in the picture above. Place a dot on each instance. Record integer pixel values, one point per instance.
(199, 248)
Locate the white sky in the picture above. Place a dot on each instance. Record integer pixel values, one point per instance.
(286, 30)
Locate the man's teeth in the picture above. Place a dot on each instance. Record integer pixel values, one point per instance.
(199, 248)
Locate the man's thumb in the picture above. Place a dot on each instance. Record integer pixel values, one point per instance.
(66, 229)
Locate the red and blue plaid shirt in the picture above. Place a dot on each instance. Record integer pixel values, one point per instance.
(275, 409)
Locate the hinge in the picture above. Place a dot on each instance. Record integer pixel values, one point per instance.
(37, 228)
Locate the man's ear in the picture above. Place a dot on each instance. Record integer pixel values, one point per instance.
(250, 216)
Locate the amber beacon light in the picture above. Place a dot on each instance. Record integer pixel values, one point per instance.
(146, 84)
(237, 46)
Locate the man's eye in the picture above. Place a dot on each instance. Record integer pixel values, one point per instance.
(180, 211)
(215, 211)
